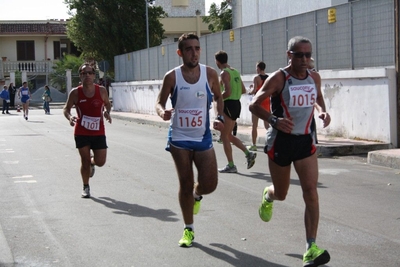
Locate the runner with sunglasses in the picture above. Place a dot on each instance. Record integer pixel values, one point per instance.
(92, 104)
(293, 90)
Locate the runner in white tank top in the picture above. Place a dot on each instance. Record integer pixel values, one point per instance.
(190, 87)
(191, 103)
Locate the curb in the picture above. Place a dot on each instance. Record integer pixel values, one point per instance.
(386, 158)
(324, 149)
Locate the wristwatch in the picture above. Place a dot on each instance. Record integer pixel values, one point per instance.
(220, 118)
(273, 120)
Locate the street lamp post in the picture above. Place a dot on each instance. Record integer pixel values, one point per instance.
(147, 23)
(198, 12)
(147, 34)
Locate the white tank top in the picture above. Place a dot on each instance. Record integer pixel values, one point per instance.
(190, 120)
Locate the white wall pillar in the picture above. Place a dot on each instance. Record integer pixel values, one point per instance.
(24, 76)
(12, 77)
(69, 80)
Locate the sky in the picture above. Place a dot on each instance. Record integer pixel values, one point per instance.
(44, 9)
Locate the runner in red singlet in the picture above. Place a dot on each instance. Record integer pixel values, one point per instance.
(92, 104)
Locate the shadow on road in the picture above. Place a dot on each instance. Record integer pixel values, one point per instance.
(267, 177)
(240, 258)
(136, 210)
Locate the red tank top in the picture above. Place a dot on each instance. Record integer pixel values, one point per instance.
(266, 104)
(90, 113)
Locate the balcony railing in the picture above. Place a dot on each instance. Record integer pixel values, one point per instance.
(31, 67)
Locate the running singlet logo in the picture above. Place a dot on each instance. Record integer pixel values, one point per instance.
(302, 96)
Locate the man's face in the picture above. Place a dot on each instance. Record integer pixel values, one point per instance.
(190, 53)
(87, 74)
(300, 56)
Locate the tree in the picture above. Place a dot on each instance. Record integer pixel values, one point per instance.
(102, 29)
(220, 19)
(18, 80)
(57, 77)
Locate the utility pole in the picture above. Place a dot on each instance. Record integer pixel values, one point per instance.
(148, 2)
(397, 63)
(147, 24)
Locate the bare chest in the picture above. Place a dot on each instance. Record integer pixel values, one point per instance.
(191, 78)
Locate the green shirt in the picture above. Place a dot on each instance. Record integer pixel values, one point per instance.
(236, 84)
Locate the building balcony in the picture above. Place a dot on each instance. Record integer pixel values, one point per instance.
(31, 67)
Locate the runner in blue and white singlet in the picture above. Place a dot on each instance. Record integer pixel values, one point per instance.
(191, 87)
(191, 102)
(25, 96)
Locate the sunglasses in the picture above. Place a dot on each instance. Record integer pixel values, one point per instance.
(87, 72)
(301, 54)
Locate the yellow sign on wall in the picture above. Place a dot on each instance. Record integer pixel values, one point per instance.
(231, 36)
(332, 15)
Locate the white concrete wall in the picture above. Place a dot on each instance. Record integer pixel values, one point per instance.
(362, 103)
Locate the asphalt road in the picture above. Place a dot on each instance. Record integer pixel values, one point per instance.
(134, 219)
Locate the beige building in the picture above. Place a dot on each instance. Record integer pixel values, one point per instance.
(183, 16)
(32, 47)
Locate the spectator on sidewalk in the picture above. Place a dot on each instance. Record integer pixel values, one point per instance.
(6, 99)
(232, 89)
(290, 140)
(46, 99)
(12, 90)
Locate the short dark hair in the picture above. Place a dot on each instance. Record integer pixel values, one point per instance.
(222, 57)
(261, 65)
(296, 40)
(184, 37)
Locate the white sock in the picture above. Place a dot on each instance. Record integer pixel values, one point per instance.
(196, 196)
(191, 226)
(267, 198)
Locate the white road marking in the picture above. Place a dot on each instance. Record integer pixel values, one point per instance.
(28, 182)
(333, 171)
(11, 162)
(22, 176)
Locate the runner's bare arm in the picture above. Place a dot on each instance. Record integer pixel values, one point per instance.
(167, 89)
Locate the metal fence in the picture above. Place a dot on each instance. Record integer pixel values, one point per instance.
(362, 36)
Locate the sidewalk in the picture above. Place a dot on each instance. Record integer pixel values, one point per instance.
(328, 146)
